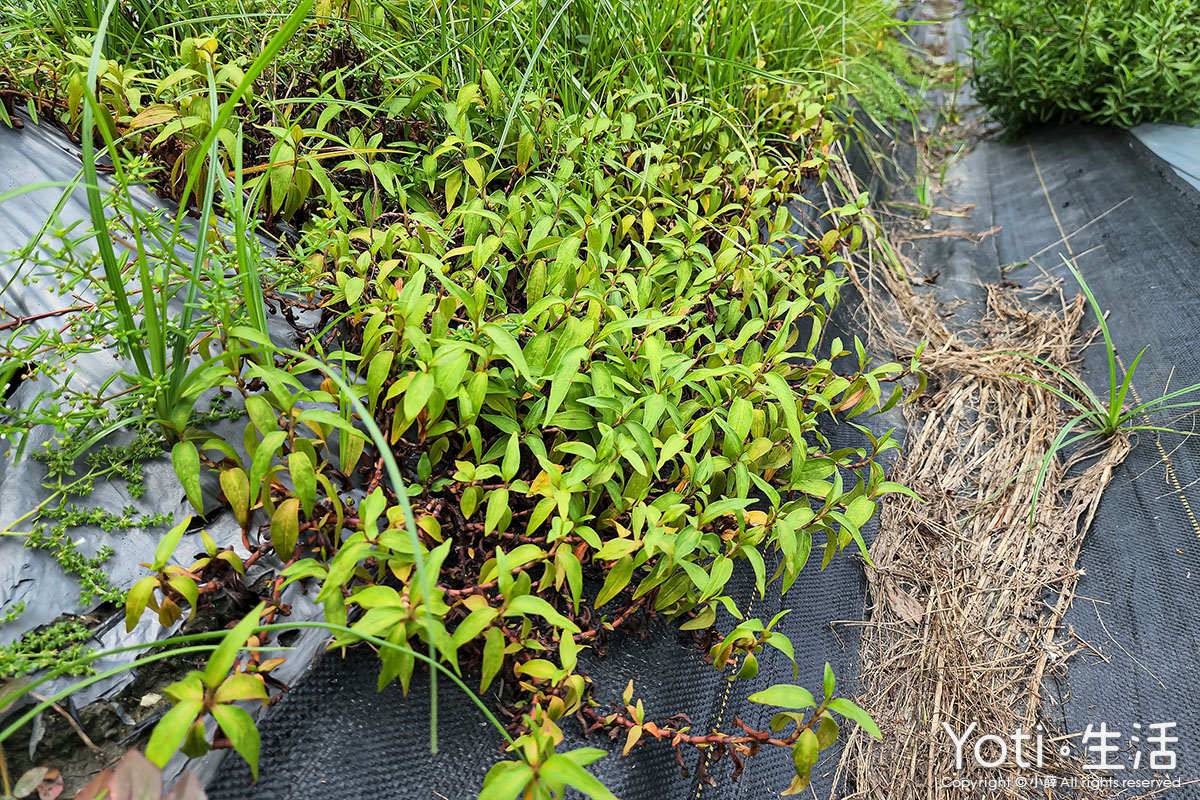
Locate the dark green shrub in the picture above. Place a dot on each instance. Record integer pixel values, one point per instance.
(1117, 62)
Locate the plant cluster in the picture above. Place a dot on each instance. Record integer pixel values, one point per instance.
(1093, 417)
(61, 645)
(1119, 62)
(566, 333)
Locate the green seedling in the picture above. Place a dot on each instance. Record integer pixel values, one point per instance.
(1098, 417)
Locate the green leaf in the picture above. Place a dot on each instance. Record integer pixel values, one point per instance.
(261, 414)
(304, 480)
(285, 528)
(221, 661)
(469, 501)
(741, 415)
(475, 622)
(830, 682)
(241, 686)
(238, 725)
(889, 487)
(573, 571)
(418, 394)
(531, 604)
(618, 579)
(783, 644)
(497, 505)
(170, 731)
(568, 653)
(512, 458)
(827, 731)
(506, 780)
(787, 400)
(564, 771)
(166, 545)
(262, 461)
(508, 347)
(859, 511)
(785, 696)
(354, 288)
(798, 785)
(236, 486)
(749, 667)
(805, 752)
(322, 416)
(186, 461)
(474, 170)
(377, 374)
(137, 599)
(493, 657)
(524, 150)
(851, 711)
(350, 448)
(564, 375)
(702, 620)
(186, 587)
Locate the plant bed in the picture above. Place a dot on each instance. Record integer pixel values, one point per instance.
(538, 320)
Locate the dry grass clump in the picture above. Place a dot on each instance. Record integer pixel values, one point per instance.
(969, 589)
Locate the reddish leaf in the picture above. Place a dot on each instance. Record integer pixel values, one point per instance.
(135, 778)
(50, 788)
(96, 786)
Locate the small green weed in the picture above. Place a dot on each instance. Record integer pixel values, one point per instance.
(1097, 417)
(61, 646)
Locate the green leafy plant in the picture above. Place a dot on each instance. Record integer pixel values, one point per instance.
(223, 657)
(1098, 417)
(1121, 62)
(158, 344)
(213, 692)
(568, 332)
(172, 584)
(539, 771)
(819, 731)
(62, 643)
(543, 773)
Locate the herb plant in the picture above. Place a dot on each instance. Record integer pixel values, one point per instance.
(558, 321)
(1118, 62)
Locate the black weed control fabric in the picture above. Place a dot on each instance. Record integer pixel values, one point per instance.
(1134, 229)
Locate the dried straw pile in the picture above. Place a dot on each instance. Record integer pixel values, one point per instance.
(967, 594)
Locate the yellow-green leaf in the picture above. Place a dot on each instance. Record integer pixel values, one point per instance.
(618, 579)
(285, 528)
(236, 486)
(186, 461)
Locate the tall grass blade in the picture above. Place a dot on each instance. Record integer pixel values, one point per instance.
(248, 273)
(1110, 350)
(112, 269)
(1060, 441)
